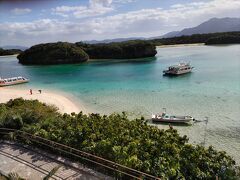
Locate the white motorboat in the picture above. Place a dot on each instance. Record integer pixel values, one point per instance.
(13, 81)
(163, 117)
(181, 68)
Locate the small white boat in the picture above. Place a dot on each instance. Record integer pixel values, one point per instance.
(13, 81)
(181, 68)
(163, 117)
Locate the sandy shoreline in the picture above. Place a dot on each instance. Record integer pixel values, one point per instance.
(64, 104)
(180, 45)
(14, 55)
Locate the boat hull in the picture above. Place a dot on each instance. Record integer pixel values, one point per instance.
(177, 73)
(13, 83)
(171, 120)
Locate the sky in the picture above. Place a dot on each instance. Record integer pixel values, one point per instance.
(29, 22)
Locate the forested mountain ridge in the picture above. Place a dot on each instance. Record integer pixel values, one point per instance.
(213, 25)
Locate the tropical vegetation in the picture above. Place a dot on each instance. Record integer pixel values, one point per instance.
(63, 52)
(53, 53)
(224, 39)
(133, 143)
(119, 50)
(197, 38)
(6, 52)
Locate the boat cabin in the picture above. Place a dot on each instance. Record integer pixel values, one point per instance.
(13, 81)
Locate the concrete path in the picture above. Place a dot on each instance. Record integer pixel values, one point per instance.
(35, 164)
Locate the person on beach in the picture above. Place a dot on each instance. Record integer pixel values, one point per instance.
(30, 91)
(40, 91)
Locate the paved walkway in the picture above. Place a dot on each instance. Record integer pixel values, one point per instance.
(35, 164)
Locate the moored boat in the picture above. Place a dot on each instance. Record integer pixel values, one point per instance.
(181, 68)
(163, 117)
(13, 81)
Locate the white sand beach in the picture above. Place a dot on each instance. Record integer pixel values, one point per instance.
(64, 104)
(14, 55)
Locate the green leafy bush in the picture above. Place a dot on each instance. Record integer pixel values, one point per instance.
(13, 121)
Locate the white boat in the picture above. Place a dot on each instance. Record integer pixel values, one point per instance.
(181, 68)
(13, 81)
(163, 117)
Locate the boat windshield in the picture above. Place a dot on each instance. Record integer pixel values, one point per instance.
(173, 67)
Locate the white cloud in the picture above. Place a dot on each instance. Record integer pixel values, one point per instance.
(144, 22)
(124, 1)
(95, 8)
(45, 30)
(150, 22)
(94, 3)
(19, 11)
(40, 27)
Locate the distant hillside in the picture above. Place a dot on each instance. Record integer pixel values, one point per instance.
(224, 39)
(113, 40)
(15, 47)
(218, 38)
(6, 52)
(170, 34)
(211, 26)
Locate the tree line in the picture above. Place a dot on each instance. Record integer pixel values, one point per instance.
(119, 50)
(6, 52)
(65, 53)
(200, 38)
(53, 53)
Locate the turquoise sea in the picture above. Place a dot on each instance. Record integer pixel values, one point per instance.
(138, 87)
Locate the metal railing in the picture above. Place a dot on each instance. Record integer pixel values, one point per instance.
(105, 166)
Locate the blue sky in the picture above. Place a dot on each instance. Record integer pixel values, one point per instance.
(28, 22)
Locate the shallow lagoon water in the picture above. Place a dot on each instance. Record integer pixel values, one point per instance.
(138, 87)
